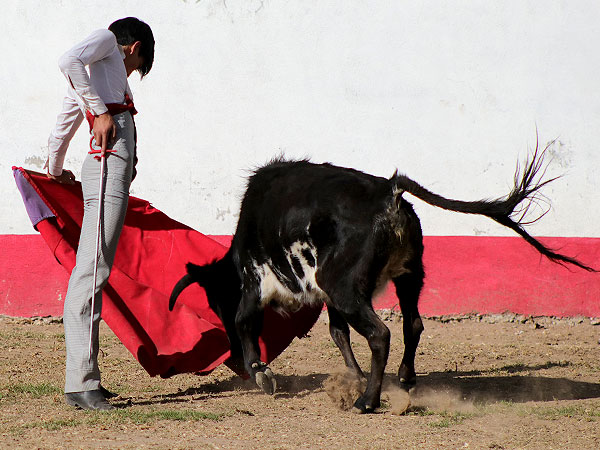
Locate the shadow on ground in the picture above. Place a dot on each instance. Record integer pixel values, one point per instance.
(485, 387)
(479, 387)
(288, 386)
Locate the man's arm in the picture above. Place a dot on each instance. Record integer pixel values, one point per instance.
(67, 123)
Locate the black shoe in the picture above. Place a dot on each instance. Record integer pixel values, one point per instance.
(107, 393)
(92, 400)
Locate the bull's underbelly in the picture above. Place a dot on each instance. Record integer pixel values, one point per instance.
(296, 285)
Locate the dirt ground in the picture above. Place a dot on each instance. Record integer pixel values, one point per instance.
(484, 382)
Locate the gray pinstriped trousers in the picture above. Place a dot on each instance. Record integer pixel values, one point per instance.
(82, 373)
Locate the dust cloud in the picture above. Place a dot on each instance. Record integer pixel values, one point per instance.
(344, 389)
(445, 400)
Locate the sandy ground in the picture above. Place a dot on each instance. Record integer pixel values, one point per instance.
(491, 382)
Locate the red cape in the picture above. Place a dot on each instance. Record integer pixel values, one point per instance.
(150, 259)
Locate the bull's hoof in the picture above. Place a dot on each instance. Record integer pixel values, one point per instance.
(361, 407)
(407, 385)
(407, 378)
(266, 381)
(264, 378)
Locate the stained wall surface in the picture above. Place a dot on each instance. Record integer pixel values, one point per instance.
(451, 93)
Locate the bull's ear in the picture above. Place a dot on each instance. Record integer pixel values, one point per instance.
(195, 271)
(214, 273)
(191, 268)
(201, 274)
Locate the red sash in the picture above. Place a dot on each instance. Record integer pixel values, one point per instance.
(114, 109)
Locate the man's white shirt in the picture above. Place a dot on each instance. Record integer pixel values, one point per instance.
(105, 83)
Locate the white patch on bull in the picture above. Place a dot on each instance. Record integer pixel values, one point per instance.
(273, 283)
(309, 279)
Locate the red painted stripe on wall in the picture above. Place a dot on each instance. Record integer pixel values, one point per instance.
(491, 275)
(464, 274)
(32, 282)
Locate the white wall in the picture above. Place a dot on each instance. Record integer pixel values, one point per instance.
(449, 92)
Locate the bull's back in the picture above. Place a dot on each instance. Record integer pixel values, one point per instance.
(283, 187)
(300, 221)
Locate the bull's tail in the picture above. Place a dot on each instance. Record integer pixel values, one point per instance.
(186, 280)
(500, 210)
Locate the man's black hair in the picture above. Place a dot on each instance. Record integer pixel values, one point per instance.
(130, 30)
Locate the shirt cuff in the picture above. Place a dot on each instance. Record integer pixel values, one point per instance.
(56, 156)
(98, 108)
(55, 168)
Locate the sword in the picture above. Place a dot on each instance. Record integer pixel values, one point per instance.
(94, 150)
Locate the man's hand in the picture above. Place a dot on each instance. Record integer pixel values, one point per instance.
(66, 177)
(104, 131)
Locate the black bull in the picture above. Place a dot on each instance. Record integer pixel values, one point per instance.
(313, 233)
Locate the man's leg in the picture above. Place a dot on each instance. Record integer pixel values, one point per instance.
(82, 373)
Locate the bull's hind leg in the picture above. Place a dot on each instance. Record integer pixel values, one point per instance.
(365, 321)
(249, 323)
(408, 289)
(340, 333)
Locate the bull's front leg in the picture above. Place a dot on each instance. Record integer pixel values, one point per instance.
(249, 323)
